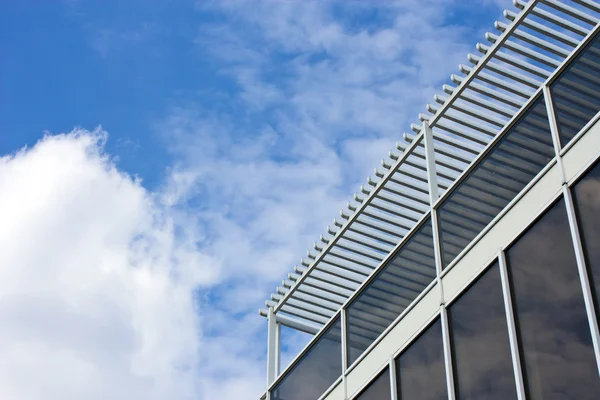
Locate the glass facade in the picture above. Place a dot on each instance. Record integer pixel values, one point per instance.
(555, 340)
(585, 196)
(576, 93)
(495, 181)
(400, 281)
(316, 371)
(551, 327)
(379, 389)
(481, 350)
(420, 372)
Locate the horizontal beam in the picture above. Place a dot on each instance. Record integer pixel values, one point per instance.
(293, 323)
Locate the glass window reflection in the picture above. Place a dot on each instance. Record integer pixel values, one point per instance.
(576, 93)
(398, 283)
(316, 371)
(481, 350)
(495, 181)
(555, 340)
(420, 368)
(586, 195)
(379, 389)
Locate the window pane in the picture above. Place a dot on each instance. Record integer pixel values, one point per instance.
(397, 285)
(586, 195)
(420, 368)
(379, 389)
(498, 177)
(554, 333)
(576, 94)
(482, 360)
(316, 371)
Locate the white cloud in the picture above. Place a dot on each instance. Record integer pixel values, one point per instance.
(96, 289)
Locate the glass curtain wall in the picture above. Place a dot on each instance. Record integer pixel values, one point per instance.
(420, 371)
(586, 196)
(554, 335)
(479, 333)
(316, 371)
(379, 389)
(576, 93)
(394, 288)
(495, 181)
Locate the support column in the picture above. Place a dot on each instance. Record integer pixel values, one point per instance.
(433, 198)
(272, 348)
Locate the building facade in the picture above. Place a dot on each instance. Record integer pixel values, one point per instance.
(468, 267)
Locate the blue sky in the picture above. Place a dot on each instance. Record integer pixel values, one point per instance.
(233, 130)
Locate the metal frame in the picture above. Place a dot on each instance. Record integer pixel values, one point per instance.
(508, 304)
(449, 367)
(354, 216)
(392, 325)
(306, 348)
(427, 138)
(272, 348)
(512, 330)
(393, 358)
(344, 350)
(393, 383)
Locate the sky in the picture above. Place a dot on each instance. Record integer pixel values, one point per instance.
(164, 165)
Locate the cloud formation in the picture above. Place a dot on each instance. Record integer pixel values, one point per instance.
(96, 286)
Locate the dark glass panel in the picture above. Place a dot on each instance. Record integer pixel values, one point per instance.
(420, 368)
(398, 283)
(379, 389)
(555, 340)
(576, 93)
(482, 359)
(586, 195)
(496, 179)
(316, 371)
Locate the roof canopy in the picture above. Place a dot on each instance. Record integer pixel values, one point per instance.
(497, 81)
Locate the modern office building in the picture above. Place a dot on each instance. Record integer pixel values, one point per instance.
(468, 266)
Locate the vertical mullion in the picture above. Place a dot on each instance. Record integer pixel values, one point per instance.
(433, 197)
(583, 273)
(278, 347)
(272, 347)
(512, 330)
(447, 353)
(393, 383)
(344, 350)
(554, 130)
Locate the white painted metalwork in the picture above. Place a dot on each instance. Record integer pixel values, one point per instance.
(520, 58)
(512, 330)
(344, 351)
(554, 131)
(393, 383)
(492, 90)
(272, 348)
(447, 353)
